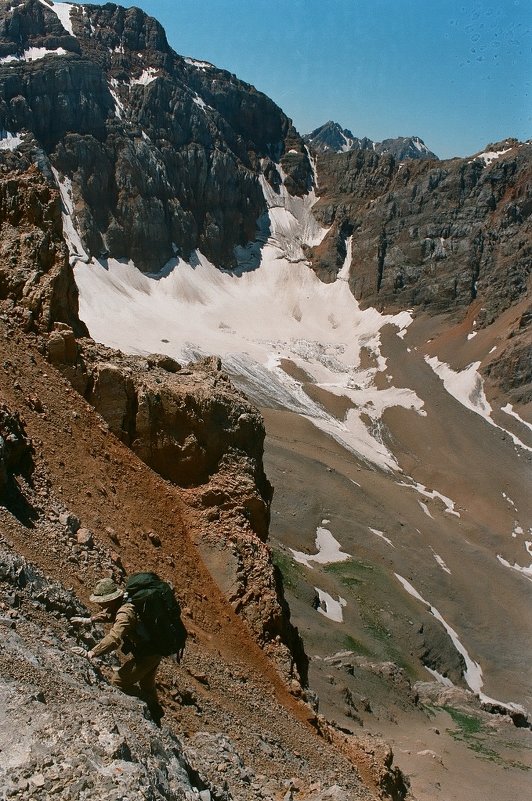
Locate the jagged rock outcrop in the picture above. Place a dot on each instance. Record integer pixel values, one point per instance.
(163, 152)
(331, 137)
(36, 283)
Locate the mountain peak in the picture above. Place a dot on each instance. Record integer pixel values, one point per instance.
(331, 137)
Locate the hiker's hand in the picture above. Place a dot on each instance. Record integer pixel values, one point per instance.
(99, 616)
(80, 621)
(79, 651)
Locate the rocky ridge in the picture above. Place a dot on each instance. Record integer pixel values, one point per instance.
(331, 137)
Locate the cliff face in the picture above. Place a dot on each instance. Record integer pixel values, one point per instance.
(36, 282)
(436, 237)
(163, 152)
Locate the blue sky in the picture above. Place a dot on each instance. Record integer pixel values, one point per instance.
(457, 73)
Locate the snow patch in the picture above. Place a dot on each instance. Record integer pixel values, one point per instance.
(34, 54)
(439, 678)
(146, 77)
(9, 141)
(200, 65)
(440, 561)
(63, 11)
(119, 106)
(468, 389)
(72, 238)
(432, 494)
(425, 509)
(328, 548)
(329, 607)
(491, 155)
(381, 535)
(527, 571)
(509, 409)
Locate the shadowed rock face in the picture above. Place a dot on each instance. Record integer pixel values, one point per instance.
(431, 235)
(163, 153)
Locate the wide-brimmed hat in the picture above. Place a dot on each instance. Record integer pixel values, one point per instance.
(106, 590)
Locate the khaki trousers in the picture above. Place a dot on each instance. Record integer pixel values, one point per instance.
(139, 670)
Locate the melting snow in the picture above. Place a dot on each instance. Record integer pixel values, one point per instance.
(9, 141)
(440, 561)
(201, 65)
(527, 571)
(439, 678)
(329, 550)
(447, 502)
(63, 11)
(34, 54)
(425, 509)
(146, 77)
(119, 106)
(508, 499)
(473, 672)
(329, 607)
(509, 409)
(381, 535)
(74, 244)
(491, 155)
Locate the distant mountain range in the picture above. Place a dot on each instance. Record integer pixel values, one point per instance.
(332, 137)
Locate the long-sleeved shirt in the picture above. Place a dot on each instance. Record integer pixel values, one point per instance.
(124, 628)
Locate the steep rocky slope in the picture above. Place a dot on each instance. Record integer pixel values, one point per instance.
(77, 503)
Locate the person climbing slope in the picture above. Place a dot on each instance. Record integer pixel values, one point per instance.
(147, 624)
(127, 634)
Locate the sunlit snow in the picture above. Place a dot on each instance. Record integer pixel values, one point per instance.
(146, 77)
(439, 678)
(63, 12)
(467, 387)
(34, 54)
(272, 308)
(381, 535)
(509, 409)
(527, 571)
(328, 549)
(432, 494)
(9, 141)
(440, 561)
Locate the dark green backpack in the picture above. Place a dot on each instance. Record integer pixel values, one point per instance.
(159, 614)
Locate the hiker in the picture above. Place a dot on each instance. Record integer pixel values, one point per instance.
(127, 634)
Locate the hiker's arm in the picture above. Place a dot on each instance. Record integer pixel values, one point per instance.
(125, 622)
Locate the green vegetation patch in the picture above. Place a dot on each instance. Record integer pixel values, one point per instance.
(351, 573)
(287, 566)
(350, 644)
(472, 732)
(469, 724)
